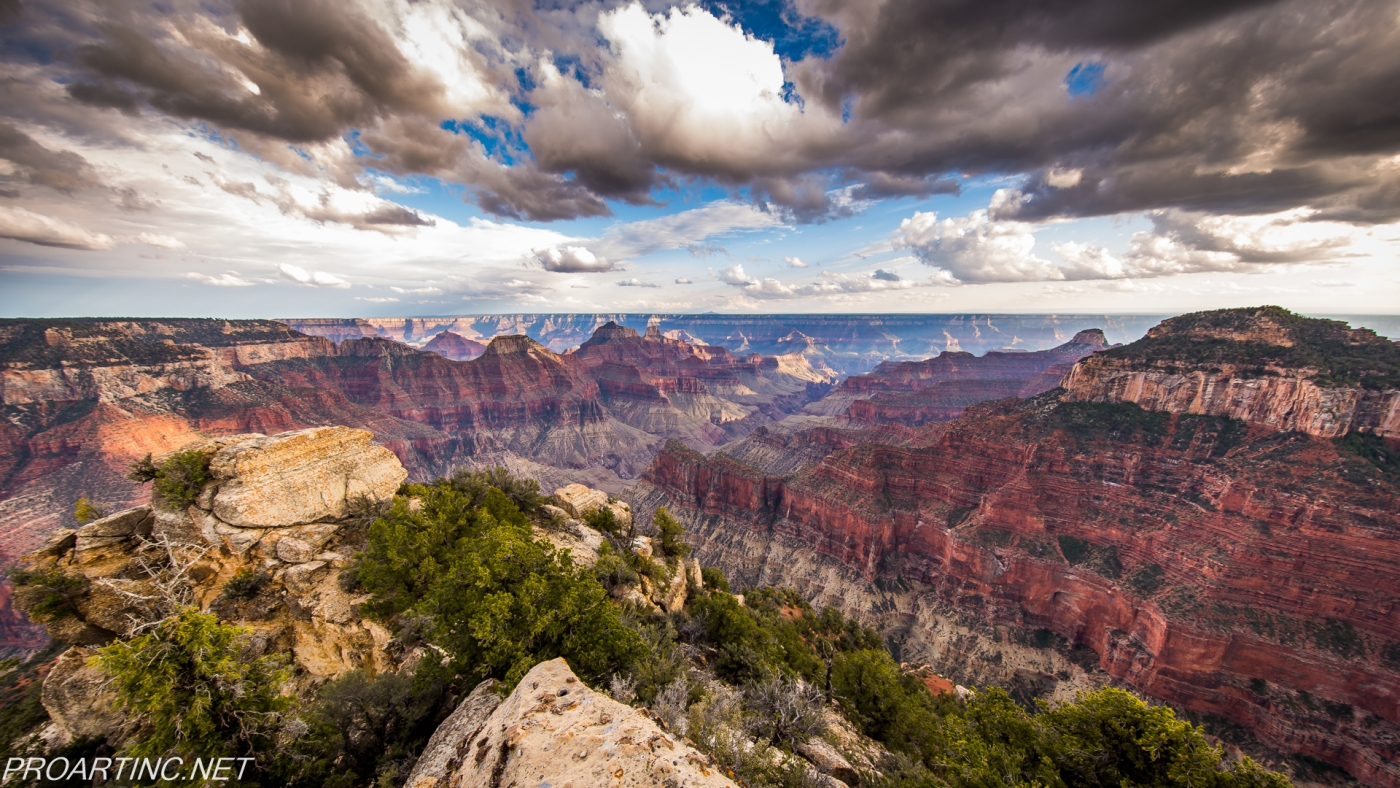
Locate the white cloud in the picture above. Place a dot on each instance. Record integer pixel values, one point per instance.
(794, 262)
(684, 229)
(696, 88)
(317, 279)
(635, 282)
(37, 228)
(425, 290)
(826, 284)
(227, 279)
(377, 299)
(167, 242)
(975, 248)
(681, 280)
(571, 260)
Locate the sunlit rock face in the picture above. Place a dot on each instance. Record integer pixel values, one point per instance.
(270, 486)
(554, 730)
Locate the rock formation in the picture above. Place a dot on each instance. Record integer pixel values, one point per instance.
(553, 730)
(454, 346)
(1228, 567)
(914, 393)
(289, 496)
(1264, 366)
(85, 398)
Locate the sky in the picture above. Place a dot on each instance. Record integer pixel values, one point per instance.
(281, 158)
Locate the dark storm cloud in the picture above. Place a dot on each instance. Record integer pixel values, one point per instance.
(1230, 106)
(63, 170)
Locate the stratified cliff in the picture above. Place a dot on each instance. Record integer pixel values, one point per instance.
(1226, 566)
(1263, 365)
(938, 389)
(83, 399)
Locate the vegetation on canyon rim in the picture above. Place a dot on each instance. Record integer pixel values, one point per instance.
(454, 564)
(1338, 355)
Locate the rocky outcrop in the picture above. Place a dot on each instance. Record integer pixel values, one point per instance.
(914, 393)
(553, 730)
(300, 477)
(1225, 569)
(450, 744)
(116, 571)
(1264, 366)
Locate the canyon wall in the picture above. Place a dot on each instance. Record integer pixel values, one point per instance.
(1213, 549)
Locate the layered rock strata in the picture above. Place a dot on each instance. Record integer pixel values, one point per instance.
(914, 393)
(1225, 568)
(1265, 366)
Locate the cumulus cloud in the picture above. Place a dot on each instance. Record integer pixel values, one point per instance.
(378, 299)
(317, 279)
(35, 228)
(794, 262)
(635, 282)
(571, 260)
(167, 242)
(826, 284)
(681, 280)
(226, 279)
(980, 248)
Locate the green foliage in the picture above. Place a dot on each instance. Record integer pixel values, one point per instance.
(1343, 357)
(612, 570)
(85, 511)
(1373, 449)
(1147, 579)
(178, 480)
(1074, 550)
(187, 681)
(47, 594)
(245, 584)
(670, 535)
(1120, 422)
(603, 520)
(524, 493)
(499, 601)
(714, 579)
(1106, 739)
(1338, 637)
(364, 729)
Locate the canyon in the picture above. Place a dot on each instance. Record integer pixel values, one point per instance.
(83, 399)
(1229, 559)
(1207, 514)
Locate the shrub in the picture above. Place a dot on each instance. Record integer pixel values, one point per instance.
(193, 692)
(1073, 549)
(670, 535)
(714, 579)
(613, 571)
(603, 520)
(47, 595)
(524, 493)
(499, 601)
(788, 711)
(85, 511)
(178, 480)
(245, 584)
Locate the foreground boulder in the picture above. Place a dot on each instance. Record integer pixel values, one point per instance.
(290, 496)
(554, 731)
(301, 477)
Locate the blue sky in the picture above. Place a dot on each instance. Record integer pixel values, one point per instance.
(745, 157)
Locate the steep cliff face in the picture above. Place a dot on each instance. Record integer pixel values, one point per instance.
(1228, 570)
(914, 393)
(83, 399)
(1242, 567)
(1265, 366)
